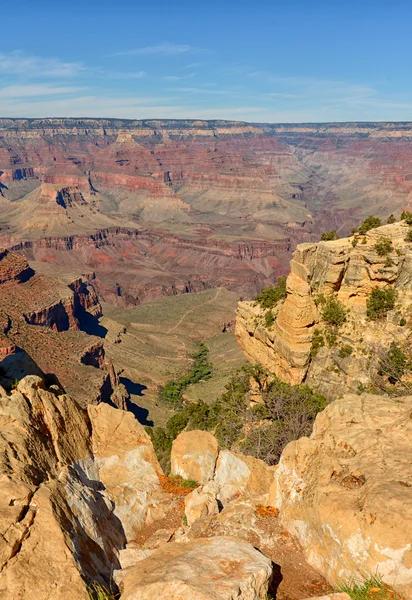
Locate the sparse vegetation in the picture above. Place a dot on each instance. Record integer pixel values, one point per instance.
(269, 319)
(379, 303)
(355, 241)
(269, 297)
(345, 351)
(334, 312)
(286, 413)
(383, 246)
(402, 322)
(328, 236)
(371, 589)
(408, 236)
(368, 224)
(172, 392)
(407, 217)
(394, 363)
(391, 219)
(317, 342)
(100, 592)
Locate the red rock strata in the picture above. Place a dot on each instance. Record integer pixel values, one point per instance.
(43, 317)
(214, 202)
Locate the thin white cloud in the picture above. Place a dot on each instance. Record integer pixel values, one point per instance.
(178, 77)
(195, 90)
(30, 91)
(121, 75)
(19, 63)
(165, 48)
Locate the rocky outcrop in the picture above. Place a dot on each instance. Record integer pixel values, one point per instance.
(186, 572)
(128, 467)
(51, 542)
(239, 475)
(194, 455)
(13, 268)
(345, 492)
(348, 270)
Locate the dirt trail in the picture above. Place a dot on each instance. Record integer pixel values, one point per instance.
(194, 308)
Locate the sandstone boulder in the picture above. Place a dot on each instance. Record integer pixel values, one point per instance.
(127, 464)
(346, 491)
(201, 503)
(57, 530)
(215, 568)
(237, 474)
(194, 455)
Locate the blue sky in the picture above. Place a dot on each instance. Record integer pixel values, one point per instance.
(270, 60)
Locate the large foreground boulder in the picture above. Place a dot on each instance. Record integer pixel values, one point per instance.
(194, 455)
(204, 569)
(346, 492)
(128, 467)
(57, 528)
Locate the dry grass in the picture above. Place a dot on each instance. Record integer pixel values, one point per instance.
(177, 486)
(266, 512)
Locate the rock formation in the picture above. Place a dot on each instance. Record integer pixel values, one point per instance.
(345, 491)
(51, 541)
(271, 186)
(188, 572)
(348, 271)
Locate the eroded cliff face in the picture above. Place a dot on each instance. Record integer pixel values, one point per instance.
(224, 191)
(348, 271)
(48, 319)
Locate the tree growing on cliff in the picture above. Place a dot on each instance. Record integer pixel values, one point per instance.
(379, 303)
(368, 224)
(383, 246)
(262, 429)
(329, 235)
(334, 312)
(269, 297)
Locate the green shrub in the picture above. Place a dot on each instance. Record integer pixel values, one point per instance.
(394, 363)
(408, 237)
(402, 322)
(391, 219)
(100, 592)
(334, 312)
(345, 351)
(379, 303)
(286, 413)
(406, 216)
(371, 588)
(355, 242)
(269, 319)
(368, 224)
(331, 336)
(269, 297)
(364, 240)
(317, 342)
(330, 235)
(383, 246)
(172, 392)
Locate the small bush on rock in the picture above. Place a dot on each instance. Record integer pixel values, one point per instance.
(269, 297)
(328, 236)
(368, 224)
(407, 217)
(334, 312)
(379, 303)
(383, 246)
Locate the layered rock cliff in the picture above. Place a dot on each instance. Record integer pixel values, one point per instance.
(347, 270)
